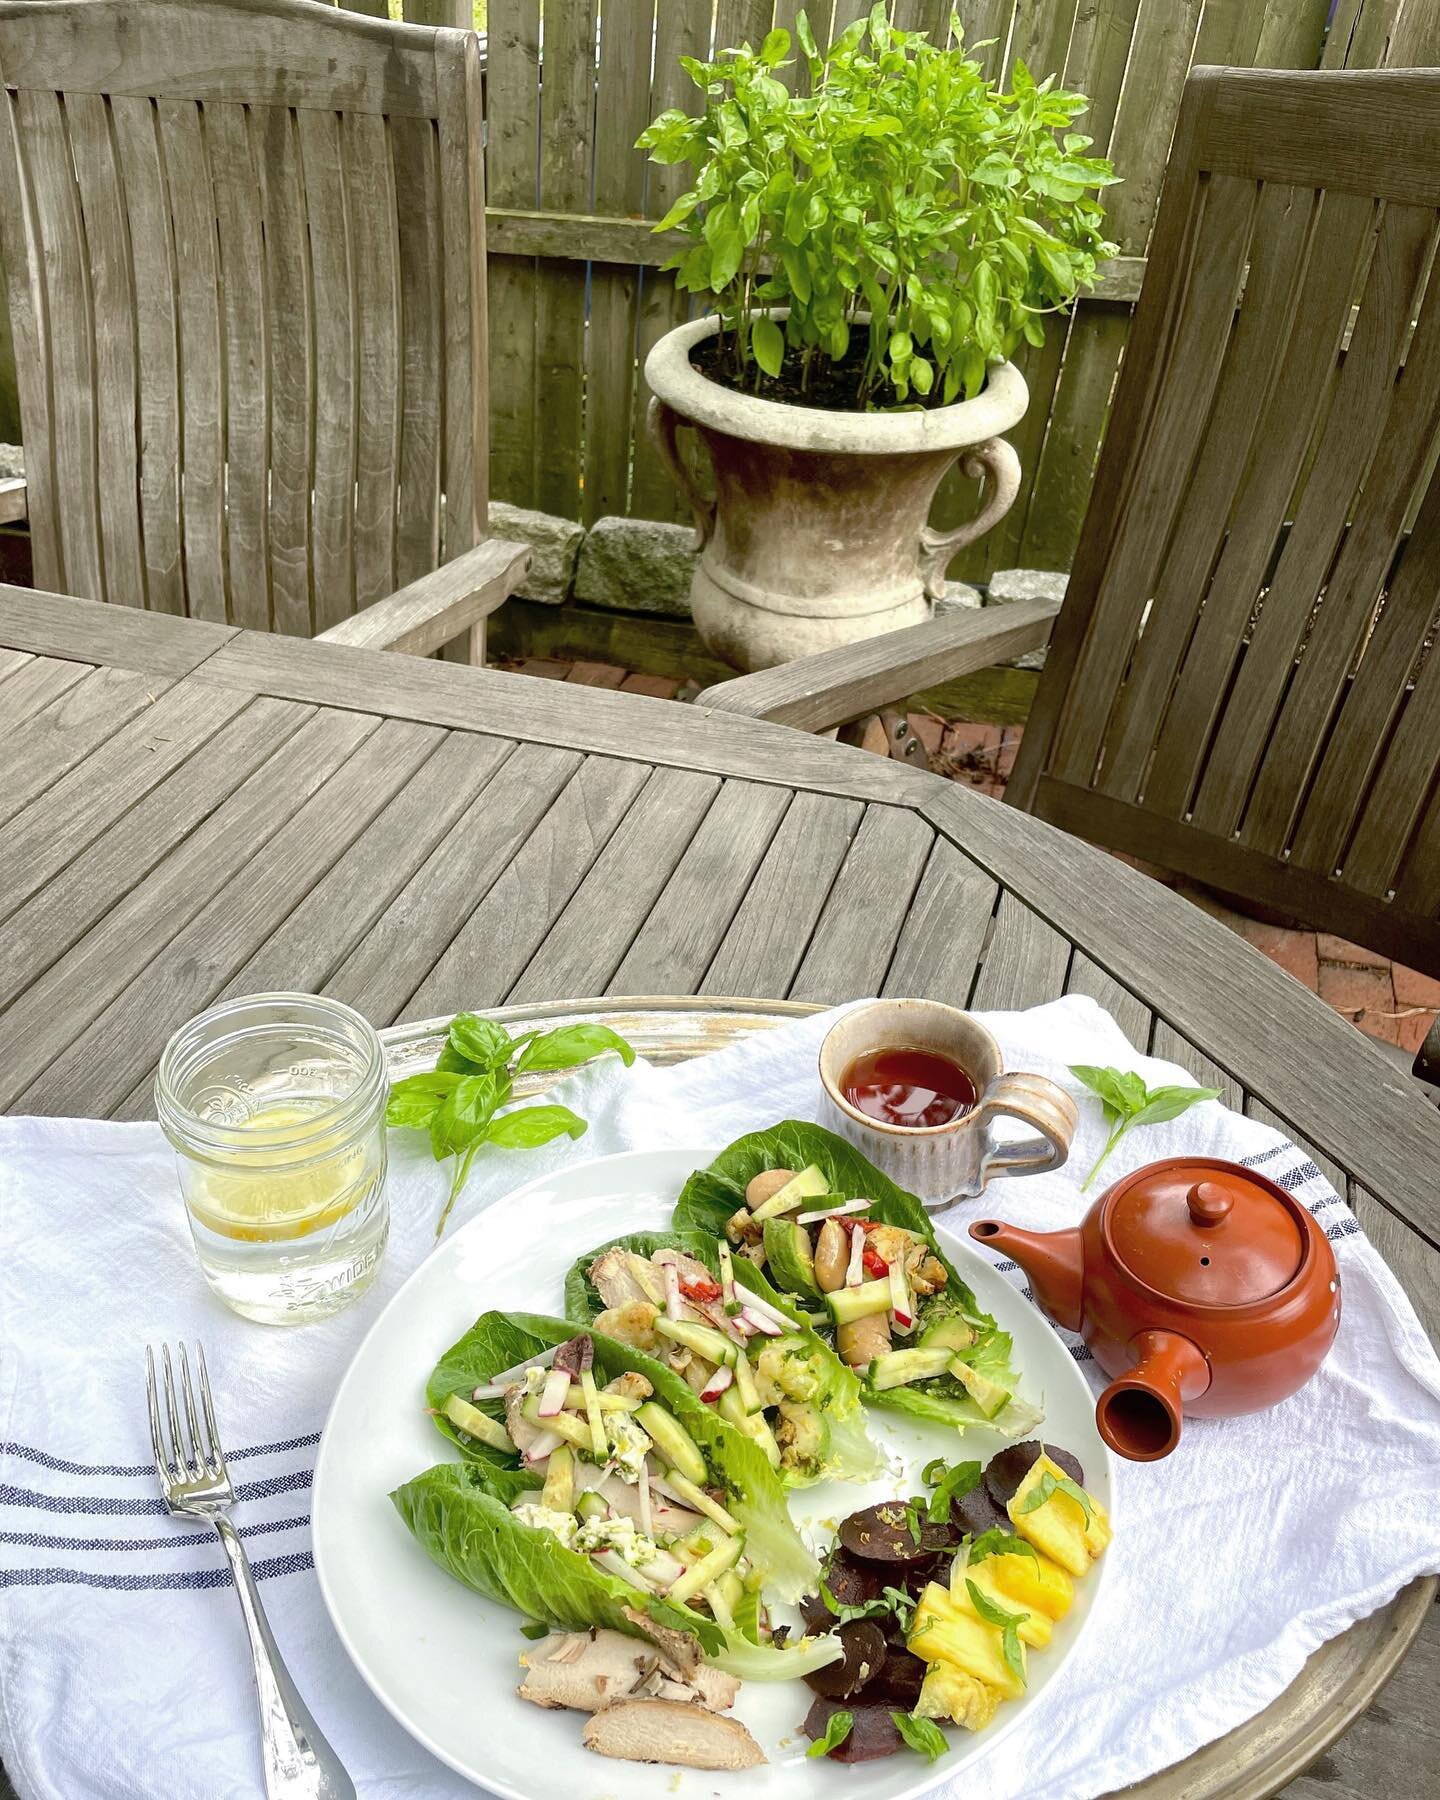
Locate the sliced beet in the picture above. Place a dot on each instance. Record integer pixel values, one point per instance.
(816, 1614)
(911, 1577)
(1005, 1472)
(873, 1735)
(865, 1649)
(899, 1679)
(882, 1534)
(851, 1581)
(977, 1513)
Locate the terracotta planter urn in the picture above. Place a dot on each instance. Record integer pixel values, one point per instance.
(817, 534)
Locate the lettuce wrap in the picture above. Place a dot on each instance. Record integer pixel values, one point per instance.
(462, 1515)
(713, 1195)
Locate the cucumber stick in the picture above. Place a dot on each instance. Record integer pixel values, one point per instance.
(469, 1419)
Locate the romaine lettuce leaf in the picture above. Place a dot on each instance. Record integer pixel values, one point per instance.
(474, 1536)
(755, 1496)
(920, 1401)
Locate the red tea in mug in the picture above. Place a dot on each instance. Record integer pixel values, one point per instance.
(913, 1088)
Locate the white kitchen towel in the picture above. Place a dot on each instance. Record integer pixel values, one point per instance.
(123, 1673)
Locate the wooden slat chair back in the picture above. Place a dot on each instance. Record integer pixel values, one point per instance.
(245, 243)
(1244, 682)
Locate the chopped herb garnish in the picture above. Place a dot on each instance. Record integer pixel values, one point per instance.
(922, 1735)
(950, 1484)
(837, 1728)
(1009, 1624)
(899, 1603)
(914, 1523)
(1049, 1485)
(534, 1631)
(999, 1543)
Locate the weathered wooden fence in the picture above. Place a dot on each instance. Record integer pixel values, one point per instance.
(576, 294)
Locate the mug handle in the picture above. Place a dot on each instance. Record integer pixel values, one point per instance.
(1035, 1101)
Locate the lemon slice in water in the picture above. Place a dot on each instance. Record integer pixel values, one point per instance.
(259, 1200)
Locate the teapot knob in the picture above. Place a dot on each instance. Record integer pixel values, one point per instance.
(1208, 1203)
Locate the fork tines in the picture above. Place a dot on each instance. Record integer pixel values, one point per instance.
(205, 1461)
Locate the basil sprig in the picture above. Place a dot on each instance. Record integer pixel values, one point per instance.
(1128, 1103)
(922, 1735)
(1049, 1485)
(892, 1601)
(996, 1542)
(459, 1102)
(950, 1484)
(1009, 1624)
(837, 1728)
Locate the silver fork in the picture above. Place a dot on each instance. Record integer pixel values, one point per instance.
(299, 1764)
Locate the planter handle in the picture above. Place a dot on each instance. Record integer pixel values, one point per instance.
(994, 458)
(662, 421)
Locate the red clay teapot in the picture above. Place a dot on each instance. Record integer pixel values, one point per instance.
(1202, 1288)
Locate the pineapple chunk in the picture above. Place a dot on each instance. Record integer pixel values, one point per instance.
(948, 1693)
(1026, 1583)
(1034, 1629)
(943, 1632)
(1059, 1528)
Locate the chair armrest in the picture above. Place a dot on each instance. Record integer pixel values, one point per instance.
(440, 606)
(819, 691)
(12, 499)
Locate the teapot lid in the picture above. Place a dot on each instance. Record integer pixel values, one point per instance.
(1205, 1231)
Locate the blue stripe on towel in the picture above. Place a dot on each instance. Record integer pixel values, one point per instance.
(63, 1466)
(134, 1584)
(105, 1506)
(37, 1540)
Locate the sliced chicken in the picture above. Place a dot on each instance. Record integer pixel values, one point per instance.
(621, 1278)
(671, 1731)
(586, 1669)
(631, 1385)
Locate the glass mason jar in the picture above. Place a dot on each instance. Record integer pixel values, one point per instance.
(275, 1104)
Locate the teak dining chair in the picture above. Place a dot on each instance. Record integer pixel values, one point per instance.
(245, 243)
(1243, 684)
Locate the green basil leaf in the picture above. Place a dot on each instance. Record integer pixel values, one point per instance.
(527, 1127)
(415, 1100)
(953, 1485)
(534, 1631)
(1168, 1103)
(837, 1728)
(989, 1611)
(767, 341)
(922, 1735)
(570, 1045)
(480, 1041)
(997, 1542)
(1119, 1089)
(467, 1110)
(1049, 1485)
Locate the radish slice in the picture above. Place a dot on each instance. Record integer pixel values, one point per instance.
(552, 1395)
(507, 1377)
(901, 1305)
(767, 1326)
(717, 1383)
(541, 1448)
(615, 1564)
(764, 1310)
(855, 1273)
(832, 1212)
(674, 1300)
(489, 1392)
(642, 1491)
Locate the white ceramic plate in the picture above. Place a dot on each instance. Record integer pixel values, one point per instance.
(444, 1661)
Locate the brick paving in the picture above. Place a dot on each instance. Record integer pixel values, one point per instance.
(1392, 1003)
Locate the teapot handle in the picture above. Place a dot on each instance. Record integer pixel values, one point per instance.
(1037, 1102)
(996, 459)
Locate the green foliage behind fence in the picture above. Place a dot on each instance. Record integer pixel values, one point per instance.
(577, 298)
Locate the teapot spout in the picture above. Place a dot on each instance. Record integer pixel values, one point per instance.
(1139, 1415)
(1054, 1261)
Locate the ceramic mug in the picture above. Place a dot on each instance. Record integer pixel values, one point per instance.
(954, 1161)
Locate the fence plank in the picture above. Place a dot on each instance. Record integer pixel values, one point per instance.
(622, 102)
(512, 107)
(567, 112)
(682, 28)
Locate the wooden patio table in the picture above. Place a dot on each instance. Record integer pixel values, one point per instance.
(189, 811)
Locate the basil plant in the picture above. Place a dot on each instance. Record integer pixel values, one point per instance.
(917, 222)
